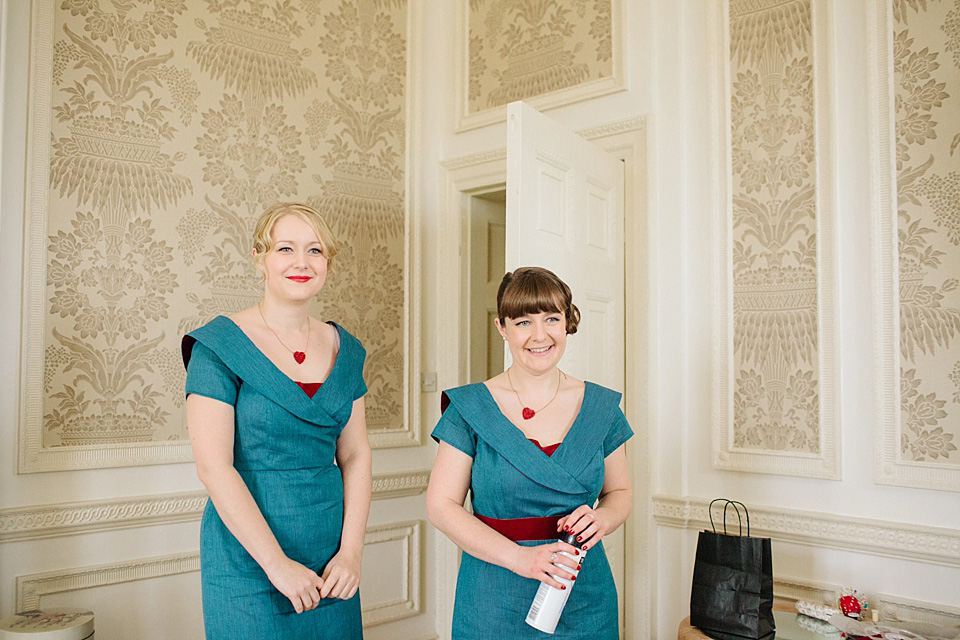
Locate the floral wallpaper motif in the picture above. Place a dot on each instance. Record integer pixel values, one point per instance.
(776, 401)
(174, 124)
(926, 54)
(524, 48)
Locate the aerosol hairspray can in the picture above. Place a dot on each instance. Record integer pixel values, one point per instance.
(549, 602)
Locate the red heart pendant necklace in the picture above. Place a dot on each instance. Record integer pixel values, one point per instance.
(299, 356)
(527, 412)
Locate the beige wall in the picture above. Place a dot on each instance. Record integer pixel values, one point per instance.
(895, 542)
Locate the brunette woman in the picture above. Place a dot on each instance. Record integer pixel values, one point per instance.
(542, 453)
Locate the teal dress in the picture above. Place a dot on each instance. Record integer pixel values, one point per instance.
(512, 477)
(284, 446)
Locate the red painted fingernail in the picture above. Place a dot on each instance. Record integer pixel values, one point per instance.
(579, 567)
(566, 528)
(579, 538)
(584, 548)
(563, 586)
(574, 578)
(576, 552)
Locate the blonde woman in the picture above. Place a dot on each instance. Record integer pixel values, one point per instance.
(276, 420)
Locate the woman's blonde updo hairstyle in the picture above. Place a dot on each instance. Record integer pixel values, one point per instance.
(263, 232)
(536, 290)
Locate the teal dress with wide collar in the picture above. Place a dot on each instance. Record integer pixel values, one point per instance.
(284, 450)
(511, 477)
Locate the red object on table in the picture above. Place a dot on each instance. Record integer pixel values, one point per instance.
(850, 606)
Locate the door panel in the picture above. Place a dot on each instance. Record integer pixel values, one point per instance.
(565, 213)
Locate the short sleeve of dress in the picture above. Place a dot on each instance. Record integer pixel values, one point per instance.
(619, 433)
(208, 376)
(455, 431)
(361, 389)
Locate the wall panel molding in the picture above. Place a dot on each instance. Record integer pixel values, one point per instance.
(896, 608)
(57, 520)
(119, 187)
(467, 120)
(410, 604)
(822, 457)
(890, 466)
(890, 608)
(795, 589)
(399, 484)
(32, 587)
(936, 545)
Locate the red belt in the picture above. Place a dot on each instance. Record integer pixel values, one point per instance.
(523, 528)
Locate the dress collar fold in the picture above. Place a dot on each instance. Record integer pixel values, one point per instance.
(564, 470)
(238, 352)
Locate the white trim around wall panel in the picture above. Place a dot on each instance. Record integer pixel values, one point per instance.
(795, 589)
(409, 533)
(894, 608)
(412, 433)
(936, 545)
(30, 588)
(890, 469)
(57, 520)
(825, 463)
(889, 608)
(467, 120)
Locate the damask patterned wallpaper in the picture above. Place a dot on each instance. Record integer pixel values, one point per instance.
(525, 48)
(926, 54)
(174, 124)
(775, 310)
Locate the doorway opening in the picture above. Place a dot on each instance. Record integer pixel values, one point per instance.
(485, 266)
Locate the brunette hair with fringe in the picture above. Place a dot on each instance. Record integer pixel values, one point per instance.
(263, 231)
(536, 290)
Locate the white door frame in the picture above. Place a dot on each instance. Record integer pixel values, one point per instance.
(484, 172)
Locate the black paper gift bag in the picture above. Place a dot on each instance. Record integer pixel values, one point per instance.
(732, 595)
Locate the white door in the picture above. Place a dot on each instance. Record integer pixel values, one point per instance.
(565, 213)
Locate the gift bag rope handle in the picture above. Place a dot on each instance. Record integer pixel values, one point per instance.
(727, 503)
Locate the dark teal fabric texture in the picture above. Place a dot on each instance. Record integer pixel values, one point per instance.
(284, 450)
(512, 478)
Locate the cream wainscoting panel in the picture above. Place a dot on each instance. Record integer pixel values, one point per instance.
(896, 608)
(794, 589)
(31, 588)
(916, 258)
(56, 520)
(538, 61)
(938, 545)
(888, 608)
(405, 538)
(776, 398)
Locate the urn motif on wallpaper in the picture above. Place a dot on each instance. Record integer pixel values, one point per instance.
(524, 48)
(775, 307)
(926, 50)
(359, 177)
(109, 277)
(173, 125)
